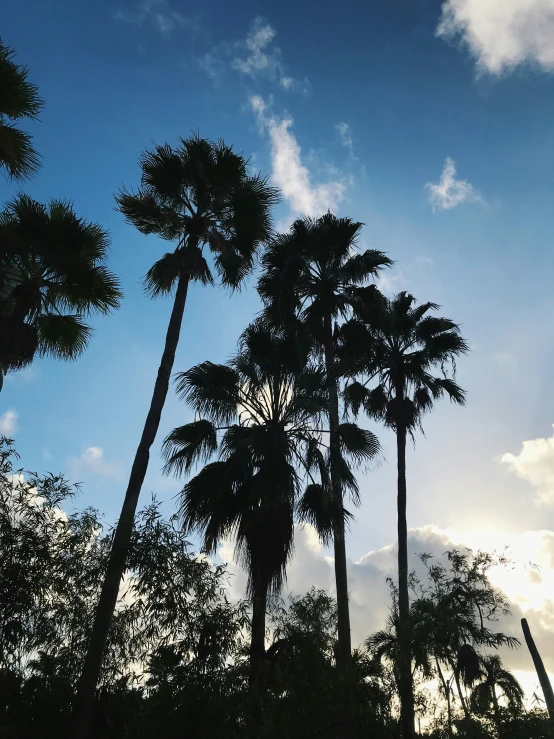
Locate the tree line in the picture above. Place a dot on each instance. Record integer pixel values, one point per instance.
(131, 629)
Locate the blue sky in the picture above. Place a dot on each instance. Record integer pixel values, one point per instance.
(428, 120)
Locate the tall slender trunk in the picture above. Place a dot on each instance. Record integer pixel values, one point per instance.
(257, 641)
(404, 634)
(446, 689)
(344, 652)
(339, 542)
(257, 655)
(541, 672)
(86, 690)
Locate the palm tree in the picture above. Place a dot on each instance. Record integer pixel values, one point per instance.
(395, 342)
(257, 415)
(496, 677)
(199, 194)
(52, 276)
(314, 274)
(260, 417)
(19, 99)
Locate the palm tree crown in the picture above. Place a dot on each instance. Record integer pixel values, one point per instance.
(200, 194)
(495, 676)
(314, 271)
(395, 342)
(313, 276)
(19, 99)
(259, 414)
(52, 276)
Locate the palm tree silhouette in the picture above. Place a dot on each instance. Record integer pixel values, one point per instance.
(258, 415)
(199, 194)
(396, 343)
(484, 695)
(19, 99)
(313, 274)
(52, 277)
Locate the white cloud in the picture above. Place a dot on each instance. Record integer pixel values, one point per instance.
(502, 34)
(450, 192)
(345, 136)
(261, 57)
(391, 281)
(528, 588)
(158, 13)
(527, 582)
(256, 56)
(289, 173)
(93, 460)
(535, 464)
(8, 423)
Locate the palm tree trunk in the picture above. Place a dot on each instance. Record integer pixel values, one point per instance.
(257, 641)
(118, 554)
(541, 672)
(339, 542)
(404, 635)
(257, 655)
(344, 652)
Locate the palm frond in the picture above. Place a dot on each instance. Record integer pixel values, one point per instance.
(358, 443)
(355, 396)
(212, 390)
(20, 99)
(162, 174)
(17, 153)
(318, 508)
(359, 268)
(144, 211)
(187, 445)
(61, 336)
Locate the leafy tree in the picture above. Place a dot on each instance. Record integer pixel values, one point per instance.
(19, 99)
(52, 565)
(396, 342)
(452, 618)
(197, 195)
(52, 277)
(306, 692)
(313, 274)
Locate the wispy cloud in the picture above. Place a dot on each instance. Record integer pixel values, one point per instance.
(255, 56)
(8, 423)
(502, 34)
(261, 57)
(450, 192)
(93, 460)
(345, 136)
(158, 13)
(288, 172)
